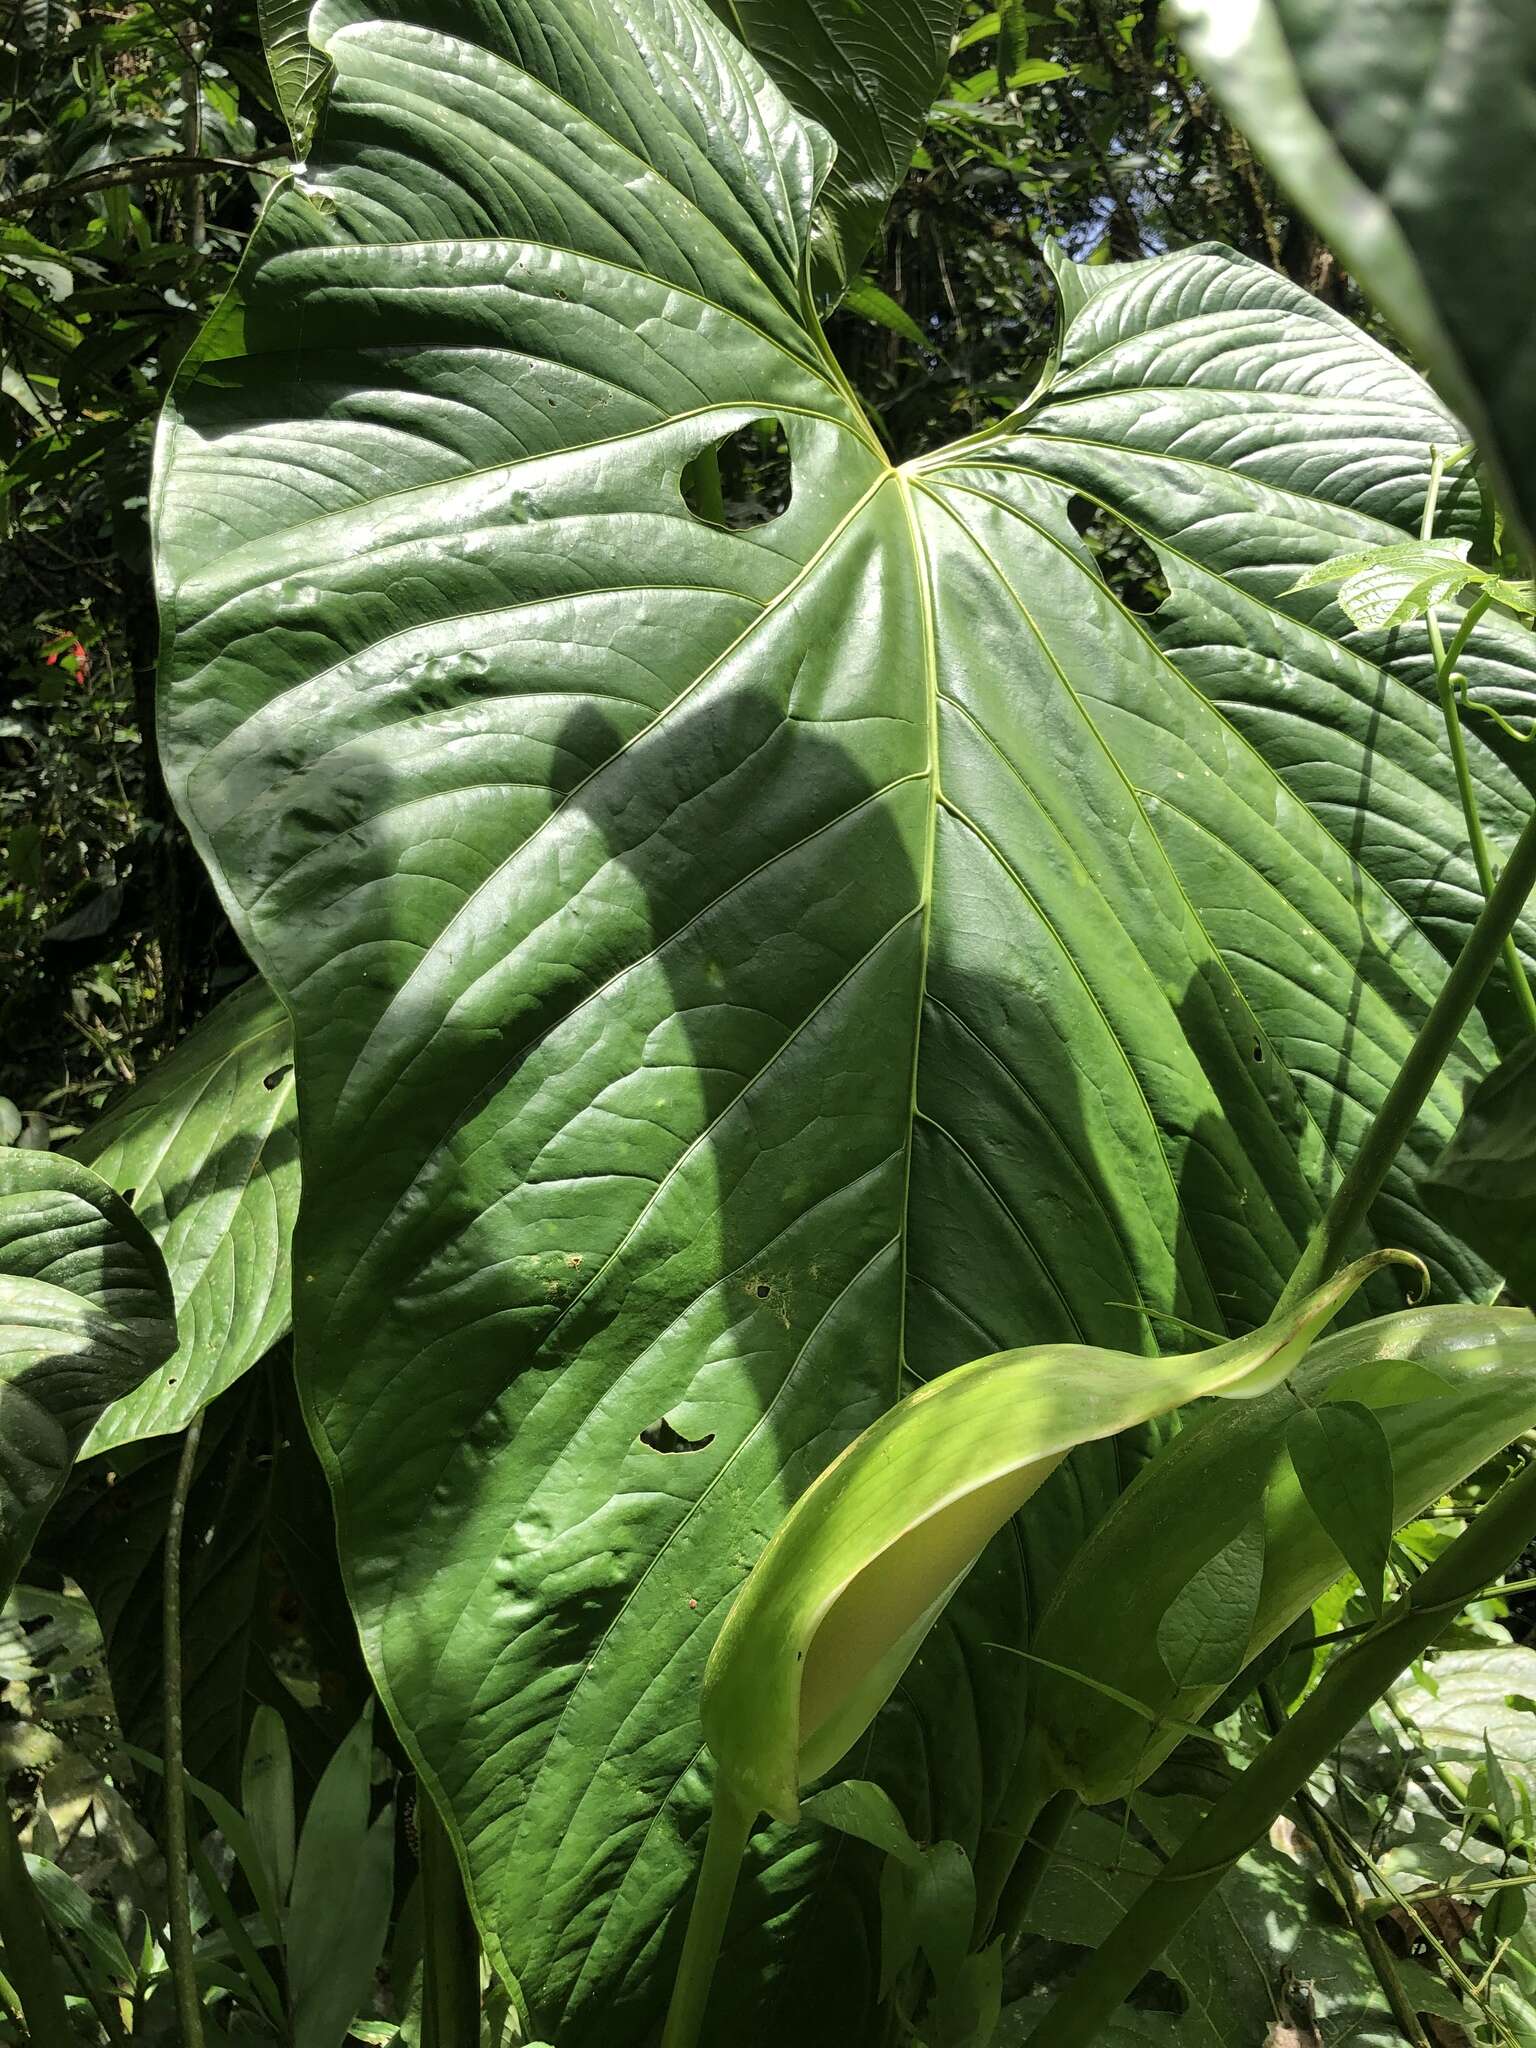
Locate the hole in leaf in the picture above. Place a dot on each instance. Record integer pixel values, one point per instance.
(745, 480)
(1258, 1050)
(661, 1436)
(277, 1074)
(128, 1195)
(1129, 567)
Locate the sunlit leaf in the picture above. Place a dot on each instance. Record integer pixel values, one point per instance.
(205, 1149)
(740, 970)
(1396, 126)
(840, 1600)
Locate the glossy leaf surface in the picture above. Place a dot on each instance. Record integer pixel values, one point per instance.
(1484, 1183)
(868, 75)
(205, 1147)
(1406, 129)
(299, 73)
(842, 1597)
(85, 1314)
(732, 964)
(1448, 1388)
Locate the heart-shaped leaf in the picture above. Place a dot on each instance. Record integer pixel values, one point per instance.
(737, 965)
(1343, 1460)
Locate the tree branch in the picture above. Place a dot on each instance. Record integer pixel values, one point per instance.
(136, 170)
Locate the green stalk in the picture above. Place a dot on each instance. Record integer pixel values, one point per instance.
(1024, 1879)
(730, 1828)
(1351, 1686)
(1445, 690)
(189, 2010)
(1362, 1182)
(1342, 1884)
(29, 1960)
(450, 1947)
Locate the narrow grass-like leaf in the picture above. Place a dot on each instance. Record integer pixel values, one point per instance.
(1344, 1462)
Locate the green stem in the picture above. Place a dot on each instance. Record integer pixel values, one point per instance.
(1445, 690)
(730, 1827)
(189, 2011)
(1330, 1242)
(1018, 1893)
(1353, 1683)
(29, 1961)
(450, 1947)
(1342, 1883)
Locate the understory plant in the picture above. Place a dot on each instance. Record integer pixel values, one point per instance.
(815, 1078)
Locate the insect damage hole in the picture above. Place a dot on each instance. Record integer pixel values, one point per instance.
(1127, 564)
(744, 480)
(661, 1436)
(277, 1075)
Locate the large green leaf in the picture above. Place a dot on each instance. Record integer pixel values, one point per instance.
(1485, 1180)
(868, 71)
(1406, 129)
(85, 1313)
(206, 1151)
(729, 964)
(299, 73)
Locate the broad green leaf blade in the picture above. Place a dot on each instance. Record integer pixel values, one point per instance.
(1204, 1485)
(300, 73)
(733, 965)
(266, 1796)
(868, 74)
(856, 1807)
(205, 1149)
(838, 1602)
(1341, 1456)
(1282, 438)
(1384, 587)
(1204, 1631)
(943, 1907)
(1484, 1183)
(1406, 128)
(85, 1315)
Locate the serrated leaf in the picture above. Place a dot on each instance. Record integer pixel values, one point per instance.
(735, 965)
(1204, 1631)
(86, 1315)
(1384, 587)
(205, 1147)
(1343, 1460)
